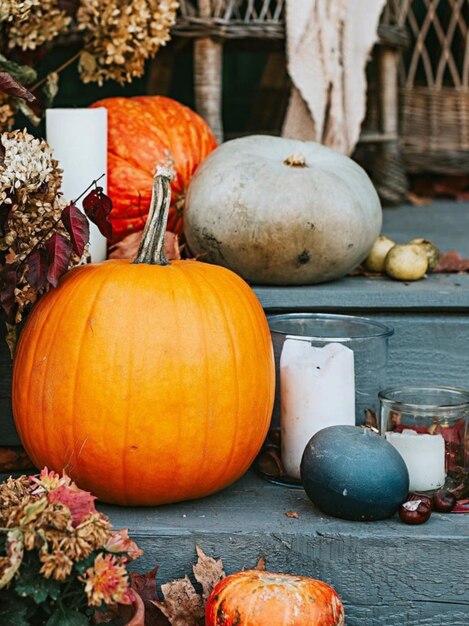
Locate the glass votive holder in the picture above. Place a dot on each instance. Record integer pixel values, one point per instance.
(329, 370)
(429, 426)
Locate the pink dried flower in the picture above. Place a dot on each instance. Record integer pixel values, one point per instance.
(119, 541)
(107, 581)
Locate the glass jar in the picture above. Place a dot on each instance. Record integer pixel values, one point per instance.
(315, 388)
(429, 426)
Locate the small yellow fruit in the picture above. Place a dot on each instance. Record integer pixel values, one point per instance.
(433, 254)
(374, 262)
(406, 262)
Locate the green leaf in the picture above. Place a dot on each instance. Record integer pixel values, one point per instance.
(33, 585)
(22, 73)
(68, 617)
(13, 611)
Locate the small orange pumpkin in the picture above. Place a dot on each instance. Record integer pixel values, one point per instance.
(148, 382)
(254, 598)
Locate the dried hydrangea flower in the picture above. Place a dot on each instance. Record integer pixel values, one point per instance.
(120, 36)
(30, 181)
(16, 10)
(45, 21)
(55, 564)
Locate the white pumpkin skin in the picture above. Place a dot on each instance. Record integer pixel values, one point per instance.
(278, 224)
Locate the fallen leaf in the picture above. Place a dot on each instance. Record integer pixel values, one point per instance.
(145, 586)
(208, 572)
(261, 564)
(13, 460)
(127, 248)
(182, 605)
(452, 262)
(292, 514)
(417, 200)
(8, 282)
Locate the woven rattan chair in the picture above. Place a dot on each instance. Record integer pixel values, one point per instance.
(434, 85)
(212, 22)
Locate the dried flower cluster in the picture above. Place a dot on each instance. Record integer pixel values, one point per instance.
(16, 10)
(48, 518)
(45, 21)
(120, 36)
(30, 211)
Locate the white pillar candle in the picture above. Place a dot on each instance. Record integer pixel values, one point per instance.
(317, 389)
(424, 456)
(78, 138)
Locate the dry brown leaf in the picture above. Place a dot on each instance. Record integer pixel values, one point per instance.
(182, 605)
(292, 514)
(417, 200)
(261, 564)
(127, 248)
(208, 572)
(13, 460)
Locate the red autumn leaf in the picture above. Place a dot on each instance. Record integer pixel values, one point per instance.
(97, 206)
(80, 503)
(38, 267)
(59, 250)
(452, 262)
(77, 226)
(8, 282)
(9, 86)
(145, 586)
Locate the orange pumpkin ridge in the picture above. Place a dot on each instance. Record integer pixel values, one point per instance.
(148, 382)
(141, 132)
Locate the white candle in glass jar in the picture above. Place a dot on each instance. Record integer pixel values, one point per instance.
(317, 389)
(424, 456)
(78, 138)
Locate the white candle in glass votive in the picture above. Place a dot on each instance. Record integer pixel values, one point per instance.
(317, 389)
(78, 138)
(424, 456)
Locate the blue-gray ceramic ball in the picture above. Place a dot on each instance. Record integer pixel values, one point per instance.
(352, 473)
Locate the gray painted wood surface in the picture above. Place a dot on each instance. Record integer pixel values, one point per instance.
(387, 573)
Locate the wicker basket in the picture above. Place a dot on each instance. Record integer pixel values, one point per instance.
(232, 19)
(434, 92)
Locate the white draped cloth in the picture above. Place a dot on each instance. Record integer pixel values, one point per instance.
(328, 46)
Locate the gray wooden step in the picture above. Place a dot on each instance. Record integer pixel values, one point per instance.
(387, 573)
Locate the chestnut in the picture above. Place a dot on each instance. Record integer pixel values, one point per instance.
(444, 501)
(416, 510)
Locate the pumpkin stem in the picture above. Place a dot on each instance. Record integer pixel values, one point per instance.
(151, 249)
(295, 160)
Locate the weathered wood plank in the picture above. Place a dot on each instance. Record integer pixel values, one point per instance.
(438, 292)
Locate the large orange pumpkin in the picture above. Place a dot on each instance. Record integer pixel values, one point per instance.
(148, 382)
(254, 598)
(141, 132)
